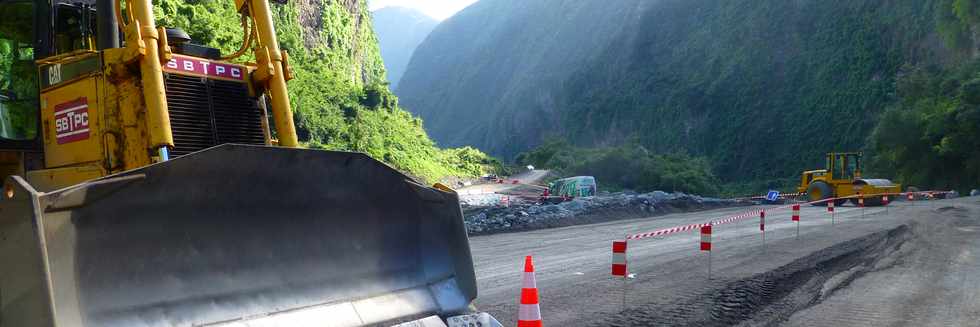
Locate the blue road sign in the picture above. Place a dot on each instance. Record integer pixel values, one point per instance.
(772, 195)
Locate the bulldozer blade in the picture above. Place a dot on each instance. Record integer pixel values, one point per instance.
(234, 235)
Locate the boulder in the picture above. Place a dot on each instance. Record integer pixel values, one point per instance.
(659, 196)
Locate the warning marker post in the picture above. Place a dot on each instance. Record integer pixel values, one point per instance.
(706, 244)
(884, 202)
(762, 227)
(830, 209)
(861, 203)
(796, 218)
(619, 259)
(619, 267)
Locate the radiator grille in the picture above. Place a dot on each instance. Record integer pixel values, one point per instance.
(206, 112)
(237, 116)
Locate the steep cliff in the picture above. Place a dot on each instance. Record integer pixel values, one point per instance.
(339, 95)
(400, 30)
(761, 87)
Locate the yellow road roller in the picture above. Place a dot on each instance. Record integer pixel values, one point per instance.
(842, 178)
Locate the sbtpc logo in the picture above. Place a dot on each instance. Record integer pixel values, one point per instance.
(71, 121)
(204, 67)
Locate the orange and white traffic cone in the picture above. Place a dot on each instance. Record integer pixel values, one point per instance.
(529, 313)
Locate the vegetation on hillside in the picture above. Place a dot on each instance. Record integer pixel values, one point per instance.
(629, 166)
(340, 98)
(931, 137)
(488, 75)
(761, 89)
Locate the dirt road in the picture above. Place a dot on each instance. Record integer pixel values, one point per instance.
(912, 265)
(523, 178)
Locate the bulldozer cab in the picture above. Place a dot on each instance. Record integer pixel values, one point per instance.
(29, 31)
(840, 167)
(843, 165)
(18, 87)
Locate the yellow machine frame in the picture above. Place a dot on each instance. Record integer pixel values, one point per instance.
(123, 110)
(843, 178)
(107, 230)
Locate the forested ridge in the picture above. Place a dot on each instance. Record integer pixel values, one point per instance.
(931, 135)
(760, 89)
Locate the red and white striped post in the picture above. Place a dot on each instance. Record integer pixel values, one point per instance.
(911, 198)
(762, 227)
(830, 209)
(706, 244)
(884, 202)
(619, 267)
(529, 312)
(796, 218)
(861, 203)
(619, 259)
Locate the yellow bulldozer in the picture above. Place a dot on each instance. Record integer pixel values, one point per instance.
(841, 178)
(152, 181)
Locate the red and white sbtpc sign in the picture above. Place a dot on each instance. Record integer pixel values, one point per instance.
(71, 121)
(204, 67)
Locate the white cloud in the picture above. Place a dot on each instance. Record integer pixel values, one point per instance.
(438, 9)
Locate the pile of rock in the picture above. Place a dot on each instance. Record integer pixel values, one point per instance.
(480, 200)
(484, 216)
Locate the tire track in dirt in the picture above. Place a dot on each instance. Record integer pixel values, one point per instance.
(770, 297)
(671, 287)
(932, 284)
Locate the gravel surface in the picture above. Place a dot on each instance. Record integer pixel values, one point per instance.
(931, 278)
(484, 214)
(911, 264)
(527, 181)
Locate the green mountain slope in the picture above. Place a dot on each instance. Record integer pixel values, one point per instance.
(490, 75)
(761, 87)
(400, 30)
(339, 95)
(764, 88)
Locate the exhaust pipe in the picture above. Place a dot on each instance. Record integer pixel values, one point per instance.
(107, 32)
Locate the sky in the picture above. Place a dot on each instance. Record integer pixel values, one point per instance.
(438, 9)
